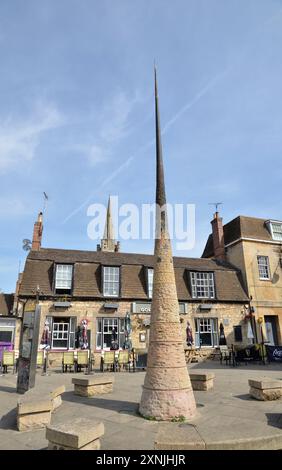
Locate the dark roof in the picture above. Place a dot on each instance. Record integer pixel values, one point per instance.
(240, 227)
(6, 304)
(39, 269)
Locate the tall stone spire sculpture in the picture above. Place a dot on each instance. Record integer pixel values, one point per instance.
(108, 242)
(167, 391)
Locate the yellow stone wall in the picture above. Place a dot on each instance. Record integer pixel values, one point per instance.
(91, 310)
(266, 294)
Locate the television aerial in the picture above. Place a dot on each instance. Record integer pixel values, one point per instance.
(26, 244)
(216, 204)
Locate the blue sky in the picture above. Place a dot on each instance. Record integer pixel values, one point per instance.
(76, 114)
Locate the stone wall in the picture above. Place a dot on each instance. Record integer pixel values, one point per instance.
(229, 314)
(267, 293)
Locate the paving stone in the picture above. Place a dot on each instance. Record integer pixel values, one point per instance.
(178, 437)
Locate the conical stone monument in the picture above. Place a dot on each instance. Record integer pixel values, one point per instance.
(167, 391)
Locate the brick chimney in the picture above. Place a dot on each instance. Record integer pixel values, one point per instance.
(218, 237)
(37, 233)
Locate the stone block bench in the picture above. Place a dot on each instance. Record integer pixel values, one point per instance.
(56, 398)
(90, 386)
(78, 434)
(33, 413)
(265, 389)
(201, 380)
(34, 408)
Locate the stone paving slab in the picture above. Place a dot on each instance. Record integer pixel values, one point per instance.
(225, 414)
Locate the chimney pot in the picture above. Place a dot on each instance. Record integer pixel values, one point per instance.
(37, 233)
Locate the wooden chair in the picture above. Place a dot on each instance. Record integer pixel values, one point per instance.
(82, 360)
(123, 360)
(8, 360)
(68, 361)
(108, 360)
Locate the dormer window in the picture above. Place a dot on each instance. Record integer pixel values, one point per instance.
(202, 285)
(63, 278)
(275, 229)
(150, 276)
(110, 281)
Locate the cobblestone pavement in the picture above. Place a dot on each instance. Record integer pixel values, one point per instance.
(224, 413)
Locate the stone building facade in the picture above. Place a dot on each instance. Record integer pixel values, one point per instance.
(102, 286)
(10, 325)
(255, 247)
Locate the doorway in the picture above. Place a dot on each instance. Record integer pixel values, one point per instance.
(271, 329)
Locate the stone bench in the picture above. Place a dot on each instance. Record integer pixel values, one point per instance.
(34, 408)
(265, 389)
(78, 434)
(202, 380)
(33, 412)
(56, 398)
(90, 386)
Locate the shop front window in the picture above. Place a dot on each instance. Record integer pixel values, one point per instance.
(206, 332)
(109, 330)
(63, 333)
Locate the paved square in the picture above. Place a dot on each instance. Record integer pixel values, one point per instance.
(225, 414)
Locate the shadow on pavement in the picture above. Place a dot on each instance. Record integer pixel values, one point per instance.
(274, 419)
(245, 397)
(119, 406)
(4, 388)
(9, 421)
(242, 366)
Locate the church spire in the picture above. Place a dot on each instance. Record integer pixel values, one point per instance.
(108, 242)
(167, 392)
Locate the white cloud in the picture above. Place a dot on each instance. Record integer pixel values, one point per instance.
(96, 155)
(19, 138)
(11, 207)
(112, 128)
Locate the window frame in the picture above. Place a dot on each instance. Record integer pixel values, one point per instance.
(194, 287)
(117, 322)
(106, 294)
(262, 278)
(63, 290)
(150, 285)
(273, 232)
(210, 327)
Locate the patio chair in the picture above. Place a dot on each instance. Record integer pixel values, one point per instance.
(123, 360)
(225, 354)
(8, 360)
(40, 359)
(82, 360)
(108, 360)
(68, 361)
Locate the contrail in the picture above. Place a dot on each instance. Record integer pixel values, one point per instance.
(211, 84)
(197, 97)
